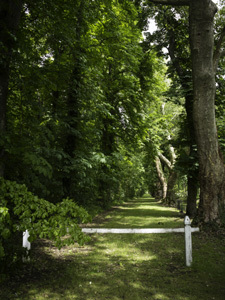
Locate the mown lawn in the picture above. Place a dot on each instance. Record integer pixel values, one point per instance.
(125, 266)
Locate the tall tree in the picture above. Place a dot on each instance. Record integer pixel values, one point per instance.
(172, 33)
(211, 167)
(10, 12)
(168, 160)
(211, 164)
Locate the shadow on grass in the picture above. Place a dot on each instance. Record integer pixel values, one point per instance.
(114, 267)
(132, 267)
(142, 214)
(103, 270)
(149, 213)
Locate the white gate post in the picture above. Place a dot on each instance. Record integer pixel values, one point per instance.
(26, 244)
(188, 241)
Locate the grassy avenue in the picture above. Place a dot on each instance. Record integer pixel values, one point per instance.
(126, 266)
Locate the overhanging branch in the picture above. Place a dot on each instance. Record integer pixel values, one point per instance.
(218, 53)
(165, 160)
(172, 2)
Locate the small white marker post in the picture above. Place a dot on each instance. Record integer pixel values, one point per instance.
(26, 244)
(188, 241)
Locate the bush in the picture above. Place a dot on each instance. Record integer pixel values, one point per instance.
(21, 210)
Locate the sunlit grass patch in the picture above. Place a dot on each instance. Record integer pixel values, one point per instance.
(147, 214)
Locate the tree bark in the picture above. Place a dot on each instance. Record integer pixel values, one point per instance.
(192, 197)
(170, 196)
(192, 171)
(10, 12)
(161, 177)
(74, 105)
(211, 166)
(157, 192)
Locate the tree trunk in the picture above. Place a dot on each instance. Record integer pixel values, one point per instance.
(71, 140)
(74, 105)
(193, 170)
(157, 192)
(161, 177)
(108, 146)
(211, 167)
(170, 196)
(192, 197)
(10, 12)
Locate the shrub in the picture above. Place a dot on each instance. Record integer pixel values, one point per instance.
(21, 210)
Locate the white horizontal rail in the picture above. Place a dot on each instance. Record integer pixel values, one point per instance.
(135, 230)
(187, 230)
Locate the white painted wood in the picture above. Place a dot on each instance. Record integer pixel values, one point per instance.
(135, 230)
(26, 244)
(188, 241)
(187, 230)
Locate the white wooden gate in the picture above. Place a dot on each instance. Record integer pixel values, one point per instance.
(187, 233)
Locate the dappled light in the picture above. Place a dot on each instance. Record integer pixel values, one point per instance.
(121, 266)
(112, 150)
(147, 214)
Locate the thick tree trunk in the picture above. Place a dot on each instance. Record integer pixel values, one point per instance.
(10, 12)
(211, 167)
(193, 171)
(192, 196)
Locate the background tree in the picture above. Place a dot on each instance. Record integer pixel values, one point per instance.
(173, 36)
(10, 12)
(81, 85)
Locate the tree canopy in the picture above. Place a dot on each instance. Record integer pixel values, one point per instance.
(92, 112)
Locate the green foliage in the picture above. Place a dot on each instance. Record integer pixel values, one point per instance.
(21, 210)
(4, 231)
(84, 95)
(79, 87)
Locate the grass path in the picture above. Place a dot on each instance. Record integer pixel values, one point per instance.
(127, 266)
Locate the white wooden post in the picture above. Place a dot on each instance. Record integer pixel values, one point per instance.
(26, 244)
(188, 241)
